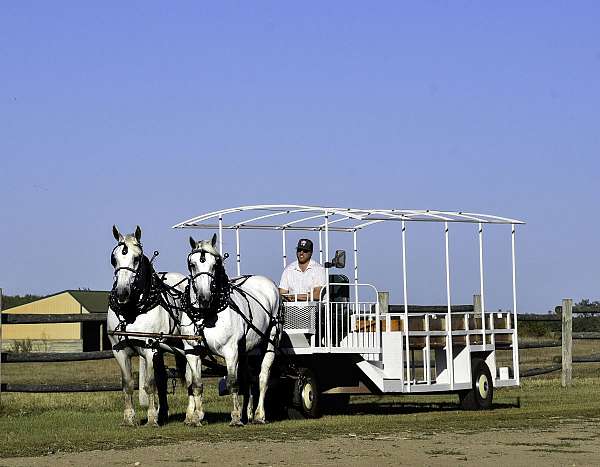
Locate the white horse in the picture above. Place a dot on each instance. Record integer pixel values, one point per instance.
(234, 317)
(141, 301)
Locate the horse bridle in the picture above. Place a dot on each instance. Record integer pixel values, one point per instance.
(124, 251)
(212, 276)
(221, 291)
(137, 289)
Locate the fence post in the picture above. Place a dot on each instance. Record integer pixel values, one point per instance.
(567, 342)
(384, 301)
(1, 346)
(477, 304)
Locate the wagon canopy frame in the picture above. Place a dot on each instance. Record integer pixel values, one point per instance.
(294, 217)
(320, 219)
(303, 217)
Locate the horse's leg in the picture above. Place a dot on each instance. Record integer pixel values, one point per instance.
(263, 378)
(245, 387)
(160, 377)
(230, 354)
(150, 387)
(194, 415)
(123, 358)
(249, 398)
(189, 412)
(142, 394)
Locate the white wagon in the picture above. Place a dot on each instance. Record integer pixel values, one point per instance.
(352, 341)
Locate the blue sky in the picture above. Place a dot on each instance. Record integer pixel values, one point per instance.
(150, 113)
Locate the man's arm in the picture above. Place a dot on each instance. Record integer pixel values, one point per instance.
(321, 282)
(300, 297)
(283, 293)
(283, 285)
(315, 296)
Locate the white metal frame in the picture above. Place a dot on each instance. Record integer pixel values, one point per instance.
(324, 220)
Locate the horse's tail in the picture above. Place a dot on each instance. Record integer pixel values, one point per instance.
(279, 320)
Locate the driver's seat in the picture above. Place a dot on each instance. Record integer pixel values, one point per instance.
(339, 292)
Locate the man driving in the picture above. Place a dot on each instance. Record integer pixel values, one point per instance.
(304, 279)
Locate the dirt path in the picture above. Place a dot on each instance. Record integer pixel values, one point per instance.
(571, 443)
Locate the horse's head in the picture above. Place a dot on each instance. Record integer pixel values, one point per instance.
(128, 260)
(206, 270)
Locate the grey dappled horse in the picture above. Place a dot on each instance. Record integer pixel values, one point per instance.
(235, 317)
(141, 301)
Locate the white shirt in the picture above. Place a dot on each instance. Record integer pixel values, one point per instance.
(295, 281)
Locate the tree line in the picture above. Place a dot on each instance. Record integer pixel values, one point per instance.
(10, 301)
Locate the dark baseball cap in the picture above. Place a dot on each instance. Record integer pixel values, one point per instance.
(305, 244)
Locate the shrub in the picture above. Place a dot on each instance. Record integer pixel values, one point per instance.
(21, 345)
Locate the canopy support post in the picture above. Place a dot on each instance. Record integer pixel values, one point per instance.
(237, 251)
(327, 312)
(405, 288)
(481, 286)
(355, 241)
(283, 247)
(449, 350)
(320, 246)
(515, 342)
(221, 235)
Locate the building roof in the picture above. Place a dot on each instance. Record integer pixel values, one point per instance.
(94, 301)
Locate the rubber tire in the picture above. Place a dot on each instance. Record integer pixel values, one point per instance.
(306, 397)
(480, 396)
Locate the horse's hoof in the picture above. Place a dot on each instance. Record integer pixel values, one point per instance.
(193, 421)
(129, 422)
(236, 423)
(152, 424)
(259, 421)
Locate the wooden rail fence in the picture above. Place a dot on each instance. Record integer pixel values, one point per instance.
(566, 343)
(566, 312)
(27, 357)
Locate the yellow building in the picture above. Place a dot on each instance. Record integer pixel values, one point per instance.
(60, 337)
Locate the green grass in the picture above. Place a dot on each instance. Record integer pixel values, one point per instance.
(37, 424)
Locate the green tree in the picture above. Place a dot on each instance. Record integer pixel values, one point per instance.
(10, 301)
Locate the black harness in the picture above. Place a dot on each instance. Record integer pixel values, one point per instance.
(221, 290)
(147, 291)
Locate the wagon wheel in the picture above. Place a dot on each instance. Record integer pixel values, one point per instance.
(306, 397)
(480, 396)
